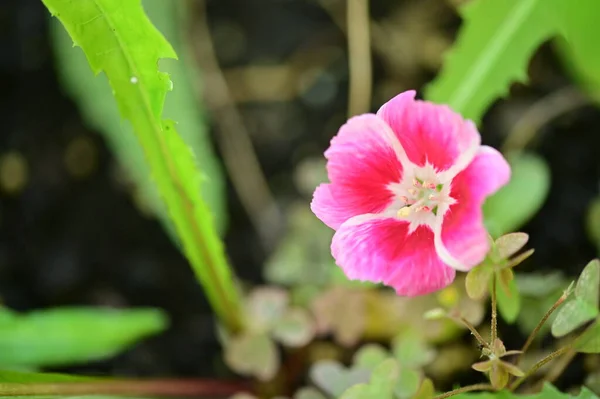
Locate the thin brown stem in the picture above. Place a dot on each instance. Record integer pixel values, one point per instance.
(468, 388)
(537, 366)
(556, 370)
(474, 331)
(156, 388)
(539, 326)
(359, 51)
(494, 332)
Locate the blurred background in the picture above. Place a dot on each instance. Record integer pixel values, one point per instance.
(261, 88)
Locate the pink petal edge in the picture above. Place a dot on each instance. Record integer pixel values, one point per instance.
(378, 249)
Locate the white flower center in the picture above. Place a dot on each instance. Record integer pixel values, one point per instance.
(421, 196)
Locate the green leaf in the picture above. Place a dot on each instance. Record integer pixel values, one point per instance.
(264, 306)
(95, 101)
(381, 385)
(410, 350)
(579, 50)
(252, 354)
(509, 305)
(334, 379)
(588, 284)
(509, 244)
(309, 393)
(492, 50)
(65, 336)
(119, 40)
(408, 383)
(589, 341)
(517, 202)
(571, 316)
(477, 281)
(295, 328)
(370, 356)
(549, 392)
(23, 377)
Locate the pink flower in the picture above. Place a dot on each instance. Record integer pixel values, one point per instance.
(405, 197)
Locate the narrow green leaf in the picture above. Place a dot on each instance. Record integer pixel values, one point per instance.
(517, 202)
(492, 50)
(119, 40)
(74, 335)
(509, 305)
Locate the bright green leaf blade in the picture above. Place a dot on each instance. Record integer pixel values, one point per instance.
(580, 48)
(588, 284)
(119, 40)
(95, 101)
(74, 335)
(509, 305)
(517, 202)
(253, 354)
(492, 50)
(571, 316)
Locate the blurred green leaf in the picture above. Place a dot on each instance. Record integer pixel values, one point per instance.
(370, 356)
(593, 222)
(517, 202)
(95, 101)
(264, 307)
(477, 281)
(509, 244)
(588, 284)
(589, 341)
(571, 316)
(492, 50)
(579, 49)
(295, 328)
(411, 351)
(24, 377)
(381, 385)
(408, 383)
(549, 392)
(64, 336)
(509, 305)
(426, 390)
(334, 379)
(538, 293)
(253, 354)
(309, 393)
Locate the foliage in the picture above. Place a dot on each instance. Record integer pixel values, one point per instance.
(63, 336)
(516, 203)
(269, 318)
(95, 101)
(549, 392)
(118, 38)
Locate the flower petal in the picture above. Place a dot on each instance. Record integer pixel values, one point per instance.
(381, 249)
(431, 133)
(361, 164)
(463, 236)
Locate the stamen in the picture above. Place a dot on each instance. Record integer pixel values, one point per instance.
(423, 208)
(416, 183)
(404, 212)
(404, 199)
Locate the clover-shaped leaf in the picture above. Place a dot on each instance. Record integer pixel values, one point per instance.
(334, 378)
(584, 306)
(508, 245)
(309, 393)
(411, 351)
(381, 386)
(294, 328)
(264, 306)
(408, 383)
(370, 356)
(252, 354)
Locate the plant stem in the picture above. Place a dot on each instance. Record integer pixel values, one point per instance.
(468, 388)
(539, 326)
(474, 332)
(156, 388)
(359, 51)
(556, 370)
(537, 366)
(494, 332)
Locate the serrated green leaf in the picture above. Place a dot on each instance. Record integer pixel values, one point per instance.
(252, 354)
(509, 305)
(119, 40)
(517, 202)
(64, 336)
(571, 316)
(492, 50)
(95, 101)
(588, 284)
